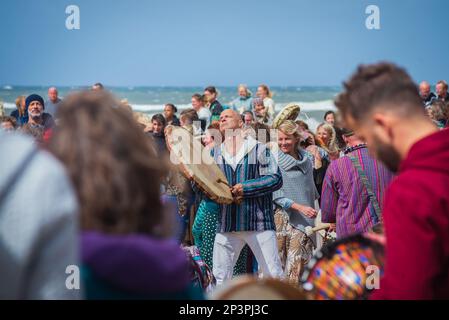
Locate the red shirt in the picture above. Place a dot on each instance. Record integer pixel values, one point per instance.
(47, 134)
(416, 217)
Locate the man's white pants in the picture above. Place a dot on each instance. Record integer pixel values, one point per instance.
(227, 247)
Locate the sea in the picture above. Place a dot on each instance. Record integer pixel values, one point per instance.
(313, 100)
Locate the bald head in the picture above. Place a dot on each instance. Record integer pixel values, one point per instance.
(230, 120)
(53, 94)
(231, 112)
(424, 84)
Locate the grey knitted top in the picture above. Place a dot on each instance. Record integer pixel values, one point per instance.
(298, 187)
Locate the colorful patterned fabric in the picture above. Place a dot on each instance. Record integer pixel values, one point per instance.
(340, 270)
(295, 247)
(345, 200)
(201, 274)
(178, 185)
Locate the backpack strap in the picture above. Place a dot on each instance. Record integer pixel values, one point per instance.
(363, 177)
(16, 174)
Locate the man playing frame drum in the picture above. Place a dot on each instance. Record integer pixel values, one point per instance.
(253, 174)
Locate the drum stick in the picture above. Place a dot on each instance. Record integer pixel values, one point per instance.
(309, 230)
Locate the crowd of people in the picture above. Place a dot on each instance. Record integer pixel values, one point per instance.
(97, 190)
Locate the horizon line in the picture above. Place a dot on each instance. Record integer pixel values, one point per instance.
(3, 85)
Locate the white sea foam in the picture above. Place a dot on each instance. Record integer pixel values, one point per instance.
(8, 105)
(154, 108)
(305, 106)
(311, 112)
(324, 105)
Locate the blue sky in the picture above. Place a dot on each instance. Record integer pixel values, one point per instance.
(196, 42)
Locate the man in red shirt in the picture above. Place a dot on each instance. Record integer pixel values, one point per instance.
(382, 104)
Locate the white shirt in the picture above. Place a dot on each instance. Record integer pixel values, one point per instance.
(205, 114)
(269, 104)
(248, 144)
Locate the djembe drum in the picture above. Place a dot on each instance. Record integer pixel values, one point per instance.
(339, 271)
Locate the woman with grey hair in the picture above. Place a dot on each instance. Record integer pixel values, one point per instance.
(244, 101)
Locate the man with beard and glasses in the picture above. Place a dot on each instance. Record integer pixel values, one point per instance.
(39, 123)
(354, 188)
(382, 104)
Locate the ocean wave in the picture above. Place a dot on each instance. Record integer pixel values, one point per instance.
(152, 108)
(324, 105)
(311, 112)
(8, 105)
(305, 106)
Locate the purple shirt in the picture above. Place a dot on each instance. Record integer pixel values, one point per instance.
(136, 263)
(344, 199)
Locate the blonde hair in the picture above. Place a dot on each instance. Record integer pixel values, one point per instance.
(331, 146)
(267, 89)
(289, 128)
(18, 101)
(244, 86)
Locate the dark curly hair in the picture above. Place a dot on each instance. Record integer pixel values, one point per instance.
(379, 85)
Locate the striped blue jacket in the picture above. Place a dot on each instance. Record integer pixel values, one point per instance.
(260, 176)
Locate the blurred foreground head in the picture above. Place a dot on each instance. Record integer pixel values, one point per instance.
(97, 86)
(111, 163)
(382, 104)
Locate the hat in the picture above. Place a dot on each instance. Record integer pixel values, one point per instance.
(257, 101)
(289, 112)
(34, 97)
